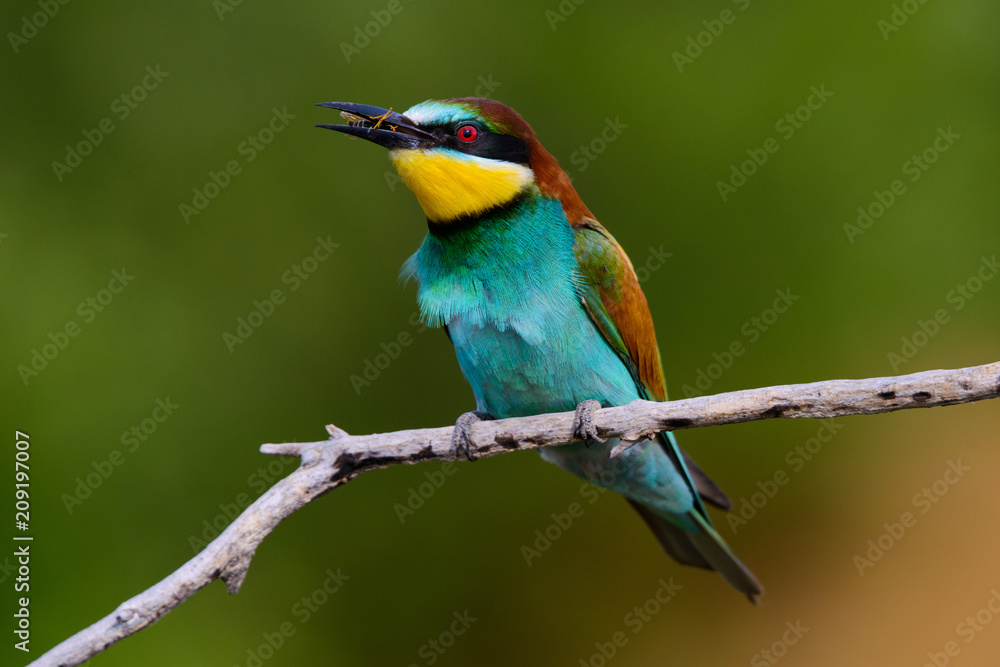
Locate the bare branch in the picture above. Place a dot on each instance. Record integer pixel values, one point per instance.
(329, 463)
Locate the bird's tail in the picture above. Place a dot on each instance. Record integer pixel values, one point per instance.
(703, 548)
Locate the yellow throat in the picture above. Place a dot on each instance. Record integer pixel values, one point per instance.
(449, 184)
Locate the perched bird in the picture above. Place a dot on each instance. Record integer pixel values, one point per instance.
(542, 306)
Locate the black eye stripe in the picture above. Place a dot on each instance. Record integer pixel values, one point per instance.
(487, 144)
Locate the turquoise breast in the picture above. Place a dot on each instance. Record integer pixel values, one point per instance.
(506, 289)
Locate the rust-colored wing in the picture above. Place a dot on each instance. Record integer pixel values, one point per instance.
(616, 304)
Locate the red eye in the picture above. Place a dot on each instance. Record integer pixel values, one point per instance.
(468, 133)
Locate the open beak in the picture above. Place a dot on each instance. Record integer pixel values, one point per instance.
(384, 127)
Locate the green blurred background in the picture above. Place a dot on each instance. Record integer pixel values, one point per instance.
(222, 75)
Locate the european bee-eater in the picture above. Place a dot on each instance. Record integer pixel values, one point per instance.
(542, 305)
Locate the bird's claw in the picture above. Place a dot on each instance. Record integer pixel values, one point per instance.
(461, 438)
(583, 421)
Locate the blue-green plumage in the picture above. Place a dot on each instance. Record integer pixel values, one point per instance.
(508, 290)
(542, 304)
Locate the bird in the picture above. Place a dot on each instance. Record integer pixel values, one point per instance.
(542, 306)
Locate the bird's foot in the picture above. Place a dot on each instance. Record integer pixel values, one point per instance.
(461, 438)
(583, 421)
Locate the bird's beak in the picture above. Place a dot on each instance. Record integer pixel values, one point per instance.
(384, 127)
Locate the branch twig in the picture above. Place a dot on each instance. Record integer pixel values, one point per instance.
(327, 464)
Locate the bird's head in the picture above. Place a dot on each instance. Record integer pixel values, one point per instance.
(462, 157)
